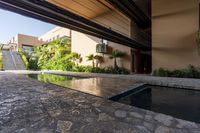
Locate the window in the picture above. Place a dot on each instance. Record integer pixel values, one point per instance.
(27, 48)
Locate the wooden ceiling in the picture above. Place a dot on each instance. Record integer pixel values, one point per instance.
(86, 8)
(48, 12)
(137, 10)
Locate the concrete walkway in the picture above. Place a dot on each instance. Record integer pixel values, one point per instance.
(30, 106)
(12, 61)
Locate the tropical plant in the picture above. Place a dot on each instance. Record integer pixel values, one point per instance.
(24, 58)
(51, 55)
(115, 55)
(99, 59)
(76, 58)
(91, 58)
(118, 70)
(189, 72)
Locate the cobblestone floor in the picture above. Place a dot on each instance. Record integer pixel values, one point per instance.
(29, 106)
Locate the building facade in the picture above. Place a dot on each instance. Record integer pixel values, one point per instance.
(21, 40)
(107, 15)
(55, 33)
(170, 34)
(86, 44)
(26, 42)
(174, 30)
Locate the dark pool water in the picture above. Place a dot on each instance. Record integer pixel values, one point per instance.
(180, 103)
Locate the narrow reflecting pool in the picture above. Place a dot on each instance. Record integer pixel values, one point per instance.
(180, 103)
(103, 87)
(51, 78)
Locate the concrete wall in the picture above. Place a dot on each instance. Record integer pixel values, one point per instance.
(85, 44)
(174, 27)
(55, 33)
(28, 40)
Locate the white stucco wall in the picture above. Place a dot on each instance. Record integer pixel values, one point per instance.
(55, 33)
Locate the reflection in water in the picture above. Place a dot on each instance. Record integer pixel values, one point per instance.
(51, 78)
(104, 87)
(180, 103)
(90, 86)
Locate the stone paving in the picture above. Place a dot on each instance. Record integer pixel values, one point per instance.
(29, 106)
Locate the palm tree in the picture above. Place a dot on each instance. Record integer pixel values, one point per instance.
(91, 58)
(116, 54)
(99, 59)
(76, 58)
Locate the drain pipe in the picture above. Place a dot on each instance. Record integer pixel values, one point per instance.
(13, 59)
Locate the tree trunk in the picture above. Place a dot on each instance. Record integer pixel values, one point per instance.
(93, 63)
(115, 63)
(97, 63)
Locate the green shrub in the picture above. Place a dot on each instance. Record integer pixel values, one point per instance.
(161, 72)
(62, 63)
(117, 70)
(52, 56)
(189, 72)
(91, 69)
(33, 64)
(57, 55)
(79, 68)
(26, 63)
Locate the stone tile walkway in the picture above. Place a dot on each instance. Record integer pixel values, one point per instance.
(29, 106)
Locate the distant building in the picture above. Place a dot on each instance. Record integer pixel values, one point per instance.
(23, 41)
(26, 42)
(55, 33)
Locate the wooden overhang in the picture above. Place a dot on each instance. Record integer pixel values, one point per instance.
(132, 10)
(45, 11)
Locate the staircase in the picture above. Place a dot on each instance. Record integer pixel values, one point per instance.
(12, 61)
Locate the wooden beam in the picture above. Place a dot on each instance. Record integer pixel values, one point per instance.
(130, 9)
(48, 12)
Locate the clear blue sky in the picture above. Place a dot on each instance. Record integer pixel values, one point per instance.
(12, 24)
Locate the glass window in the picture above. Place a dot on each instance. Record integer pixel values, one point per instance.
(27, 48)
